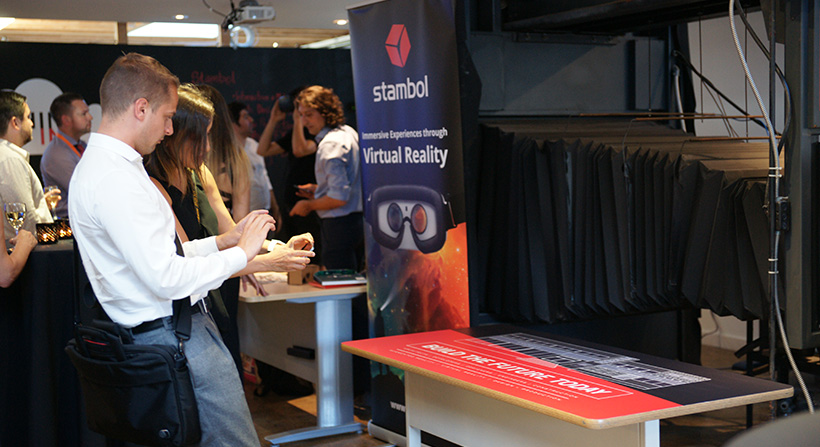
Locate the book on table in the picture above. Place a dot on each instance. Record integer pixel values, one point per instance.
(342, 277)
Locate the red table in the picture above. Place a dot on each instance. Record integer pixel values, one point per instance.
(494, 385)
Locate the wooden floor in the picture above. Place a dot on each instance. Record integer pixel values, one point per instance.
(273, 414)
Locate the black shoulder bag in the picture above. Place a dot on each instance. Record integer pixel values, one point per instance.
(136, 393)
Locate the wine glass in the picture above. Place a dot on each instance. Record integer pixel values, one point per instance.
(51, 200)
(15, 213)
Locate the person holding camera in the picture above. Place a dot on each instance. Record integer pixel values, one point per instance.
(300, 148)
(262, 197)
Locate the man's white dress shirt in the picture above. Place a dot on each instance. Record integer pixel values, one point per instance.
(260, 182)
(126, 235)
(19, 183)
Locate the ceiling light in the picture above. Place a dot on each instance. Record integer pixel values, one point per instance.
(336, 42)
(6, 21)
(276, 45)
(179, 30)
(180, 17)
(340, 22)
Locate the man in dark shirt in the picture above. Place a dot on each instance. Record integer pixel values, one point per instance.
(300, 148)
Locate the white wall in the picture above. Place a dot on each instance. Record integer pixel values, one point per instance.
(724, 332)
(713, 53)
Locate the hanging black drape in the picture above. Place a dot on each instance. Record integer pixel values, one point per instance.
(582, 218)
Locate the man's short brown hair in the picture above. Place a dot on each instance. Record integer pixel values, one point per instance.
(62, 106)
(134, 76)
(12, 104)
(325, 102)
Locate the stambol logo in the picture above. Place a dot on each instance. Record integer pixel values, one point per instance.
(397, 45)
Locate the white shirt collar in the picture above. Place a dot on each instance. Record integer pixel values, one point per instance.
(322, 133)
(113, 145)
(16, 149)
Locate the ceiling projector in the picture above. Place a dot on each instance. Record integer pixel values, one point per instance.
(251, 12)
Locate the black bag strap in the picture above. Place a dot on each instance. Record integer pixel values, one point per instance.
(83, 292)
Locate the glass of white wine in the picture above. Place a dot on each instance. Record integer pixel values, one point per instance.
(51, 200)
(15, 213)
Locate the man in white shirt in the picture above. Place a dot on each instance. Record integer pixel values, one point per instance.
(261, 189)
(125, 231)
(18, 181)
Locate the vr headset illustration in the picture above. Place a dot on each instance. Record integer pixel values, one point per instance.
(409, 217)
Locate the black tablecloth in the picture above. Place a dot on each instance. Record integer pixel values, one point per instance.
(40, 399)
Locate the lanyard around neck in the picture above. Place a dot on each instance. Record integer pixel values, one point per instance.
(193, 188)
(73, 147)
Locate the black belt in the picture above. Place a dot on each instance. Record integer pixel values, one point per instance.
(201, 306)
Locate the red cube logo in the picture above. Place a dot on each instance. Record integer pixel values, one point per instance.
(397, 45)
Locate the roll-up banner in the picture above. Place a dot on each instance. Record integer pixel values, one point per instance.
(405, 77)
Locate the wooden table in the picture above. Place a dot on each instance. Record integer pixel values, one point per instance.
(305, 320)
(502, 385)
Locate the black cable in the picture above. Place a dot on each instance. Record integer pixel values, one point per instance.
(709, 83)
(214, 10)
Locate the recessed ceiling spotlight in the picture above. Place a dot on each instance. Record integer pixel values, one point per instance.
(276, 45)
(180, 17)
(340, 22)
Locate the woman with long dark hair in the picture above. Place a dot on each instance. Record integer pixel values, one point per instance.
(177, 168)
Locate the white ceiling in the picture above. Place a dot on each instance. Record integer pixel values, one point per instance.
(314, 14)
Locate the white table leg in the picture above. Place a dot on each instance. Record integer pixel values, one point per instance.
(651, 432)
(334, 387)
(334, 384)
(413, 432)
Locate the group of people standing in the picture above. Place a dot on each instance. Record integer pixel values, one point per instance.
(169, 162)
(18, 181)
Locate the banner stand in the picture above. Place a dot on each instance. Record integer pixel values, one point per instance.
(406, 79)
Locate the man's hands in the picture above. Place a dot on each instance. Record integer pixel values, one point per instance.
(285, 259)
(55, 192)
(253, 230)
(302, 241)
(294, 255)
(308, 190)
(276, 115)
(231, 237)
(303, 207)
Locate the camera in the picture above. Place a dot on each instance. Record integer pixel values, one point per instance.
(285, 103)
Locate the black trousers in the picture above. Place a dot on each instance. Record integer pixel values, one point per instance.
(343, 248)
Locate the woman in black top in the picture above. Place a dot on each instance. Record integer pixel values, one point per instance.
(177, 168)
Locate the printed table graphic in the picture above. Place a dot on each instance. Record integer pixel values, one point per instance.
(586, 382)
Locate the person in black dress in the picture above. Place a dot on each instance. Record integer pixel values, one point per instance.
(177, 168)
